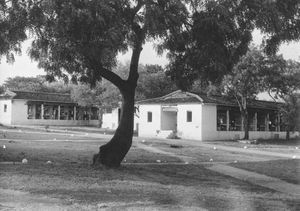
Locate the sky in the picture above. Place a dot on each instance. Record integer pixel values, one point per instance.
(23, 66)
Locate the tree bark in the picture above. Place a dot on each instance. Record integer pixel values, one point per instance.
(246, 124)
(287, 137)
(112, 153)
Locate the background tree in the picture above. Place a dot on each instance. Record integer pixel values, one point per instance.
(245, 82)
(36, 84)
(86, 97)
(219, 33)
(284, 84)
(153, 82)
(290, 113)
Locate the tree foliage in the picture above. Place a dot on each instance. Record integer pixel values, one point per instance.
(219, 33)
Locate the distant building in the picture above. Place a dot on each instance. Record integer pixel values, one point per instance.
(41, 108)
(111, 118)
(201, 117)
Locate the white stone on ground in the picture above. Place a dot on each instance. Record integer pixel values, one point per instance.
(294, 157)
(215, 148)
(211, 160)
(4, 147)
(158, 161)
(24, 161)
(48, 162)
(245, 147)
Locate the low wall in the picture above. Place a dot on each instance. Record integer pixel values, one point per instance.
(58, 122)
(234, 135)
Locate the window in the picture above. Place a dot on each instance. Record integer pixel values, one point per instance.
(189, 116)
(149, 117)
(5, 108)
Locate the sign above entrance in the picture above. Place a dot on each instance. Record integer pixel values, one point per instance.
(170, 108)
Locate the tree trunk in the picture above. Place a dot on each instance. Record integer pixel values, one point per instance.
(112, 153)
(287, 137)
(245, 120)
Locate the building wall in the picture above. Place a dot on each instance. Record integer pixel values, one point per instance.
(110, 120)
(149, 129)
(19, 117)
(5, 117)
(189, 130)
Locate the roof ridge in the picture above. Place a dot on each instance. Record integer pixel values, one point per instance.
(51, 93)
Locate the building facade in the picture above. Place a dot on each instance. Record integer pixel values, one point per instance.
(200, 117)
(39, 108)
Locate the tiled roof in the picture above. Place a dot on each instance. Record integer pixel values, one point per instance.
(40, 96)
(180, 97)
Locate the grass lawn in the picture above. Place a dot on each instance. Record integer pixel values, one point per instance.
(71, 183)
(288, 170)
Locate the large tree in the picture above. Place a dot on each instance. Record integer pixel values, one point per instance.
(80, 39)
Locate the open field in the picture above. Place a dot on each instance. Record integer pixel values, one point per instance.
(141, 183)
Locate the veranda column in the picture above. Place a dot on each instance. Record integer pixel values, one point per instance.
(58, 110)
(74, 113)
(255, 121)
(227, 120)
(267, 122)
(42, 111)
(278, 123)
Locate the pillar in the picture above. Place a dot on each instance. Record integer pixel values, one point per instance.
(42, 111)
(255, 121)
(74, 113)
(58, 110)
(227, 120)
(267, 122)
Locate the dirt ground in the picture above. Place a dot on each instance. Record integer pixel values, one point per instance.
(160, 176)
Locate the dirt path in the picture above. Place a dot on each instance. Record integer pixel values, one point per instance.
(258, 179)
(252, 177)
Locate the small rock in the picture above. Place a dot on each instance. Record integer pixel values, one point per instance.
(24, 161)
(125, 160)
(158, 161)
(108, 191)
(54, 139)
(20, 131)
(211, 160)
(215, 148)
(143, 141)
(245, 147)
(48, 162)
(297, 147)
(294, 157)
(4, 147)
(86, 134)
(104, 133)
(186, 162)
(235, 161)
(72, 135)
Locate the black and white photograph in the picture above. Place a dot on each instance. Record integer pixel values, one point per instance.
(150, 105)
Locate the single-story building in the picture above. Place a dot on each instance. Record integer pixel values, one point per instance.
(201, 117)
(111, 118)
(42, 108)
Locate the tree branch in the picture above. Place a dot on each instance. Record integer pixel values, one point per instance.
(113, 78)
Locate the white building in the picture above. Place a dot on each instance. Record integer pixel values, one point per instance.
(39, 108)
(202, 117)
(111, 119)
